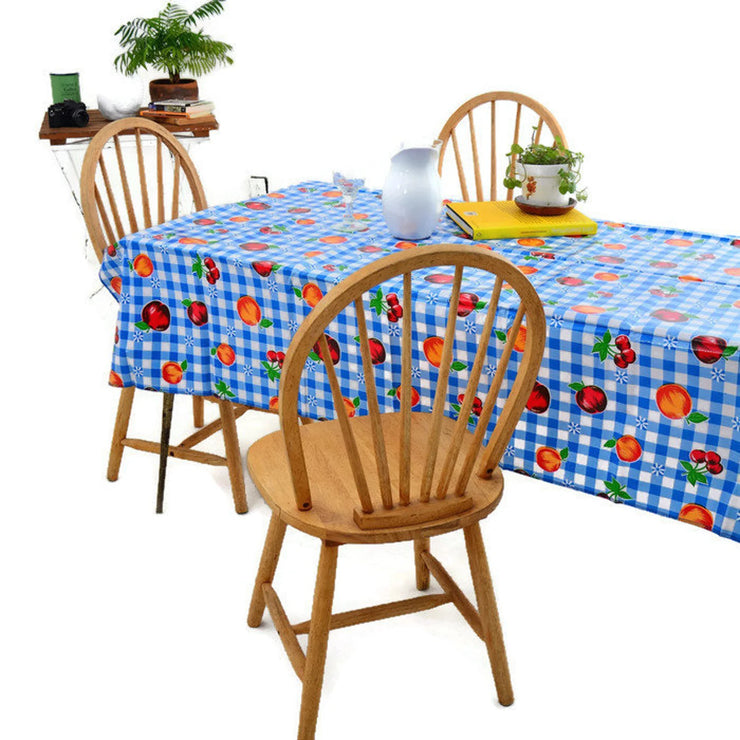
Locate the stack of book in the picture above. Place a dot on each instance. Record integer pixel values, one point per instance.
(179, 112)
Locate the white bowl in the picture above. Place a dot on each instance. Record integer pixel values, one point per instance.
(121, 96)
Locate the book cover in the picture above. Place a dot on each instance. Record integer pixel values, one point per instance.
(502, 219)
(177, 120)
(182, 106)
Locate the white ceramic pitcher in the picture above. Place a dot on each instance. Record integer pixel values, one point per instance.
(412, 194)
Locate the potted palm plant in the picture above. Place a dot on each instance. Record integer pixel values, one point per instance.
(170, 42)
(548, 175)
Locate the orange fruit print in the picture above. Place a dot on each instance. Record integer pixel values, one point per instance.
(172, 372)
(226, 354)
(311, 294)
(248, 310)
(433, 350)
(675, 402)
(521, 338)
(549, 459)
(530, 242)
(697, 515)
(628, 448)
(143, 265)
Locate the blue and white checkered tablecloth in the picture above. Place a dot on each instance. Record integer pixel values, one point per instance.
(209, 301)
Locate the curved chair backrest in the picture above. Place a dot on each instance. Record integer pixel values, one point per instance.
(539, 117)
(103, 185)
(351, 294)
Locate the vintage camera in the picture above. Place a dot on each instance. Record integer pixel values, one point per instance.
(68, 113)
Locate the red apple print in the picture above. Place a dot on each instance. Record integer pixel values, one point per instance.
(711, 349)
(263, 268)
(664, 314)
(663, 264)
(334, 352)
(205, 221)
(608, 259)
(590, 398)
(377, 351)
(439, 279)
(570, 281)
(370, 248)
(665, 292)
(477, 404)
(297, 209)
(111, 249)
(156, 316)
(539, 399)
(735, 242)
(254, 246)
(467, 303)
(256, 205)
(269, 230)
(197, 312)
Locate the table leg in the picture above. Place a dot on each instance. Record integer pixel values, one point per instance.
(164, 446)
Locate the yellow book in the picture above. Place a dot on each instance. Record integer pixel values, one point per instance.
(502, 219)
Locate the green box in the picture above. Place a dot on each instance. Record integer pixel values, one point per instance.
(65, 87)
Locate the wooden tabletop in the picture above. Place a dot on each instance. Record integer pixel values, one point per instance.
(198, 128)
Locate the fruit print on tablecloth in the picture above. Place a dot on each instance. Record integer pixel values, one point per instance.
(643, 322)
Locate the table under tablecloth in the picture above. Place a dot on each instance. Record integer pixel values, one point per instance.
(637, 397)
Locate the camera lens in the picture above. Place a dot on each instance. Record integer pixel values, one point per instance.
(80, 117)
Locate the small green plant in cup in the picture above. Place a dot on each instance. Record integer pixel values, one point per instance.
(539, 155)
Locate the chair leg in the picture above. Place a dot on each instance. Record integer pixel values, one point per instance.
(318, 637)
(120, 430)
(233, 457)
(198, 416)
(486, 599)
(168, 400)
(266, 571)
(422, 572)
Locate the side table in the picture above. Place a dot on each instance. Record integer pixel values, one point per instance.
(69, 144)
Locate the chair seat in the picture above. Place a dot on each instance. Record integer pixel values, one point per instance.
(332, 486)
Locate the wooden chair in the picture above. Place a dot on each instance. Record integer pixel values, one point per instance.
(102, 185)
(403, 476)
(523, 107)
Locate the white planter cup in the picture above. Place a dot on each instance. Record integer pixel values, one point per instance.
(541, 183)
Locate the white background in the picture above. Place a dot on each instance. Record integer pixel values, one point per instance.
(115, 623)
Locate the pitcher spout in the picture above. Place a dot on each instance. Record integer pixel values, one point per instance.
(417, 157)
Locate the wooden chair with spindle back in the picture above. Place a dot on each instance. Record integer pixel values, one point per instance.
(403, 475)
(101, 186)
(449, 132)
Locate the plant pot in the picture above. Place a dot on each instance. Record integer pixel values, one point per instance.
(541, 183)
(163, 89)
